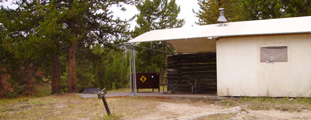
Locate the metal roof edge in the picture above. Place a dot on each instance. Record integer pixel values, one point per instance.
(263, 34)
(213, 37)
(225, 34)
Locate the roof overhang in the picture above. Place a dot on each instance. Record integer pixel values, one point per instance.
(194, 45)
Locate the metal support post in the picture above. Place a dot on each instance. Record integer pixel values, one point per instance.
(130, 63)
(134, 72)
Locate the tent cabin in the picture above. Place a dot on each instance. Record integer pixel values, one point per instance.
(254, 58)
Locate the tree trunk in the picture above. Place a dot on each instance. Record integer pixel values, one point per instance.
(72, 87)
(55, 75)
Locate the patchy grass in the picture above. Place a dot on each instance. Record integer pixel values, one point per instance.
(267, 103)
(65, 106)
(42, 90)
(217, 117)
(111, 117)
(72, 106)
(290, 105)
(248, 117)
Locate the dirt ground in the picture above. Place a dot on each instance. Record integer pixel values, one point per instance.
(73, 107)
(176, 108)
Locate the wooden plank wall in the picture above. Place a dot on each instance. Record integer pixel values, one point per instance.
(200, 66)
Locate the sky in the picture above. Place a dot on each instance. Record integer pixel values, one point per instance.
(186, 13)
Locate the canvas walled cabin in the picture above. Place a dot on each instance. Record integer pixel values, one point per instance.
(254, 58)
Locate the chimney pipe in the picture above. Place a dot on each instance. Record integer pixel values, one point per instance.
(222, 19)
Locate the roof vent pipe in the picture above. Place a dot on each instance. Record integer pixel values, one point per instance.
(222, 19)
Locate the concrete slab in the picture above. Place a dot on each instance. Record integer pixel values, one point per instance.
(109, 94)
(145, 94)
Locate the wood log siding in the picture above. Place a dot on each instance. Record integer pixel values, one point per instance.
(200, 66)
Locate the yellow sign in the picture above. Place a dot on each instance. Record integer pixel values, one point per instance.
(143, 79)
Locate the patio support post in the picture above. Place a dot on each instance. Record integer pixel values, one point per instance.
(134, 72)
(130, 65)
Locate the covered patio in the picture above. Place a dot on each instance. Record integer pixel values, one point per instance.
(241, 67)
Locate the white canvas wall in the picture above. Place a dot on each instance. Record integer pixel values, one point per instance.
(240, 72)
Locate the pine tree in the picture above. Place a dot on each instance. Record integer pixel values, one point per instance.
(86, 22)
(42, 30)
(209, 11)
(264, 9)
(154, 14)
(296, 8)
(239, 10)
(116, 70)
(157, 14)
(18, 61)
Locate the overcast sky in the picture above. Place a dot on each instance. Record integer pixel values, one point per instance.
(186, 7)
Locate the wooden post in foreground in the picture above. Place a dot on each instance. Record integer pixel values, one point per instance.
(101, 94)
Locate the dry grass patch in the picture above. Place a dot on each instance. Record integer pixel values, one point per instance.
(73, 106)
(217, 117)
(267, 103)
(65, 106)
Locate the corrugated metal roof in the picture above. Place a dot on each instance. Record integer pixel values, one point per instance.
(243, 28)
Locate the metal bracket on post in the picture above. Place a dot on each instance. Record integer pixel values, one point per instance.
(101, 94)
